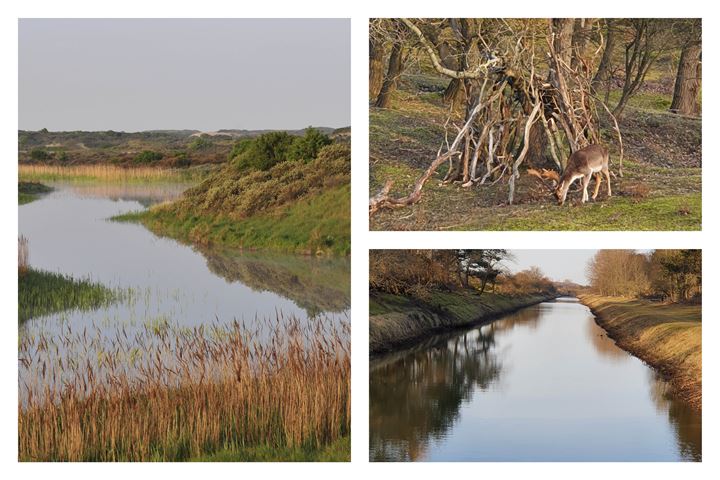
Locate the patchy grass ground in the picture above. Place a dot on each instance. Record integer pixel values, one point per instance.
(667, 336)
(660, 188)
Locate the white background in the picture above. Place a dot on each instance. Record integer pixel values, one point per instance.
(359, 11)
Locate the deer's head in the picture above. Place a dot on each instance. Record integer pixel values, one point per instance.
(551, 179)
(560, 192)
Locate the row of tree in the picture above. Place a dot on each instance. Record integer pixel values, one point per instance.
(414, 272)
(670, 275)
(629, 47)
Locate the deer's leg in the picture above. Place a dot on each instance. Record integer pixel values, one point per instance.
(598, 181)
(585, 183)
(606, 171)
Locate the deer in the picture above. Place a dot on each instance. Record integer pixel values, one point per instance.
(582, 164)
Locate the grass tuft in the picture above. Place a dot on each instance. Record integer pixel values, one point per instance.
(42, 293)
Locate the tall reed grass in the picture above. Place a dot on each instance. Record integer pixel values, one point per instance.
(104, 172)
(174, 394)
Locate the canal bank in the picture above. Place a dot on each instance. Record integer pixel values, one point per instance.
(544, 383)
(398, 321)
(667, 337)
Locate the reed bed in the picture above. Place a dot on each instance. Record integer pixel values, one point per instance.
(42, 293)
(170, 393)
(104, 172)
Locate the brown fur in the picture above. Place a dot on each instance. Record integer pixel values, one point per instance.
(583, 164)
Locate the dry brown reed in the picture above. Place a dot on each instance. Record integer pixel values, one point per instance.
(166, 393)
(23, 255)
(104, 172)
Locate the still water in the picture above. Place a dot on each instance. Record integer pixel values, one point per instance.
(543, 384)
(69, 232)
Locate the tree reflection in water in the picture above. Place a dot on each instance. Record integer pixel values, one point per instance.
(317, 285)
(416, 396)
(686, 422)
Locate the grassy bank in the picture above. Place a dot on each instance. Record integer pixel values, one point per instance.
(31, 191)
(397, 321)
(109, 173)
(42, 293)
(280, 388)
(666, 336)
(294, 207)
(318, 224)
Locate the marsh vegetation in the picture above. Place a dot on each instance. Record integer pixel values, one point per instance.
(166, 394)
(213, 356)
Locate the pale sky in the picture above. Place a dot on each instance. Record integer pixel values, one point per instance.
(556, 264)
(204, 74)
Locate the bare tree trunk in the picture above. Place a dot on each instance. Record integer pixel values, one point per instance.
(562, 31)
(377, 63)
(602, 76)
(687, 82)
(395, 67)
(580, 37)
(453, 92)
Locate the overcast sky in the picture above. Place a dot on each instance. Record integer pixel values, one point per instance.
(556, 264)
(131, 75)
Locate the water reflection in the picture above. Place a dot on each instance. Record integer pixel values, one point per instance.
(417, 395)
(428, 388)
(315, 284)
(686, 422)
(543, 384)
(145, 194)
(173, 286)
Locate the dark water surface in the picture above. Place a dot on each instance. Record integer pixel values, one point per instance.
(543, 384)
(171, 283)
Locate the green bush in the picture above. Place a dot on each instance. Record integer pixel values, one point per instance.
(270, 149)
(200, 143)
(39, 155)
(148, 156)
(306, 148)
(263, 152)
(182, 160)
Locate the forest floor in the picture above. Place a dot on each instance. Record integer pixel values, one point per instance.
(666, 336)
(660, 188)
(397, 321)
